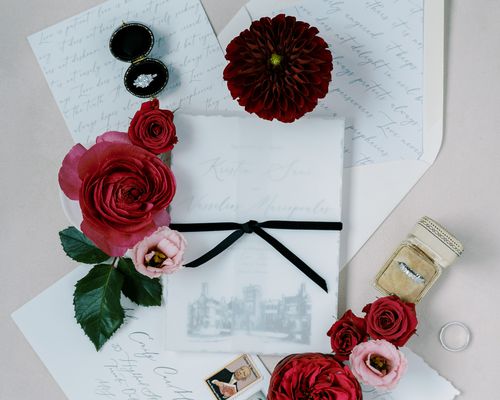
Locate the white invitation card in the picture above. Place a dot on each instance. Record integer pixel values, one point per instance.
(250, 298)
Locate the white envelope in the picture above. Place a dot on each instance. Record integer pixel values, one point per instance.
(372, 191)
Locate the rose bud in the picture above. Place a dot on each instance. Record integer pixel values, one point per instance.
(378, 363)
(391, 319)
(346, 333)
(152, 128)
(160, 253)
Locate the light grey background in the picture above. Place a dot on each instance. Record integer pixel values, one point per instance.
(461, 191)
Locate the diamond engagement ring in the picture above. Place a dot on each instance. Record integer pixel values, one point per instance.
(144, 80)
(410, 273)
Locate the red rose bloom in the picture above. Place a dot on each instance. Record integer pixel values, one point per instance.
(313, 376)
(123, 192)
(346, 333)
(153, 129)
(278, 68)
(391, 319)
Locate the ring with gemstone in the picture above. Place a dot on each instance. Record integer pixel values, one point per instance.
(465, 331)
(414, 276)
(144, 80)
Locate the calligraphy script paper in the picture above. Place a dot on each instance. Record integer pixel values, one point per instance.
(132, 365)
(87, 81)
(377, 81)
(250, 298)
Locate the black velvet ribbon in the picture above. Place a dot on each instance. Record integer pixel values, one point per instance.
(256, 227)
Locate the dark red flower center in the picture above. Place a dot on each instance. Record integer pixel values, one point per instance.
(157, 259)
(380, 364)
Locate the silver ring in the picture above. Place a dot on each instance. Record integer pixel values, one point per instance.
(410, 273)
(464, 327)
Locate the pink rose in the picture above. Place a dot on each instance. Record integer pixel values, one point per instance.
(378, 363)
(160, 253)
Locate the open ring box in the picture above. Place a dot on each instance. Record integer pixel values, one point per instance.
(132, 42)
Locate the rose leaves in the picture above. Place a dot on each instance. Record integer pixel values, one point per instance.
(137, 287)
(97, 296)
(78, 247)
(97, 303)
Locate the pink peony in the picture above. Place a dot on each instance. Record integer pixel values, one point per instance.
(378, 363)
(160, 253)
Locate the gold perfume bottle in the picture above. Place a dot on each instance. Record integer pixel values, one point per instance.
(418, 261)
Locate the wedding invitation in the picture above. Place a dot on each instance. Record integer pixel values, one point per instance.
(250, 298)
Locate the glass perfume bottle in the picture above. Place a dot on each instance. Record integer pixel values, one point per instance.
(418, 261)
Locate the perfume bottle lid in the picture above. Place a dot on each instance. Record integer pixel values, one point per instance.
(439, 240)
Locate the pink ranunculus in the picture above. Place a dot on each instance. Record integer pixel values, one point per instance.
(160, 253)
(378, 363)
(123, 191)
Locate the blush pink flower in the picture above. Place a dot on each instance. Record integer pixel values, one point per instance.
(160, 253)
(378, 363)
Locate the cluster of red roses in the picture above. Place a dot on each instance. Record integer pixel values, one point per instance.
(122, 186)
(369, 344)
(387, 318)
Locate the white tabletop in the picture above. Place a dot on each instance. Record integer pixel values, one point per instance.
(461, 190)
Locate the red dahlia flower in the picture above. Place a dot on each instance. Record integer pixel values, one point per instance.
(278, 68)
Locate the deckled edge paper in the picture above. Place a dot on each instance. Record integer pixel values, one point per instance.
(131, 365)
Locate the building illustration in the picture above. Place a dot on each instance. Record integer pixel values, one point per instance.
(286, 318)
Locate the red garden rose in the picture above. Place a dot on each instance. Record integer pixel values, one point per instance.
(346, 333)
(278, 68)
(123, 191)
(392, 319)
(313, 376)
(152, 128)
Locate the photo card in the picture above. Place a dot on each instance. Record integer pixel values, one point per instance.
(234, 378)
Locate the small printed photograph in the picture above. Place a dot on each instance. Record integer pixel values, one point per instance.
(234, 378)
(257, 396)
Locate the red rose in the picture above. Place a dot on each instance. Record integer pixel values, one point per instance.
(153, 129)
(313, 376)
(391, 319)
(346, 333)
(123, 192)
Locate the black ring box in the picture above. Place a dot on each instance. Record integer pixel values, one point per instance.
(132, 42)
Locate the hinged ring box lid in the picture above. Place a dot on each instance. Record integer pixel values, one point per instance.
(132, 42)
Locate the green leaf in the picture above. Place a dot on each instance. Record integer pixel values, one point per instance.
(139, 288)
(78, 247)
(97, 303)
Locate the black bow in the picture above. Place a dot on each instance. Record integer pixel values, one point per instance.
(256, 227)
